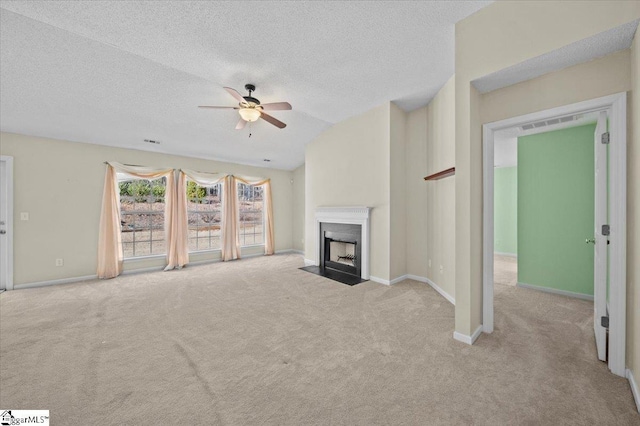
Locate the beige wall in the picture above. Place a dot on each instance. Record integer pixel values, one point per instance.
(60, 185)
(348, 165)
(417, 207)
(498, 36)
(594, 79)
(633, 217)
(441, 193)
(398, 195)
(298, 209)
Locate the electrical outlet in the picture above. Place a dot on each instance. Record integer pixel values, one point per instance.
(59, 262)
(429, 263)
(24, 216)
(441, 269)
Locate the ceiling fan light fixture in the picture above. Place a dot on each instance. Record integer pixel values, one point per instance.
(249, 114)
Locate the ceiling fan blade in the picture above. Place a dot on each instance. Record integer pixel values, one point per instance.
(217, 107)
(269, 119)
(276, 106)
(241, 124)
(235, 94)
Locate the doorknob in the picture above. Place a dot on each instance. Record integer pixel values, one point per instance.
(590, 240)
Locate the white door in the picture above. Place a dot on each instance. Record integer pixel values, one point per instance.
(600, 259)
(6, 223)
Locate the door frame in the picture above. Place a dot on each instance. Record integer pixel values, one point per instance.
(9, 225)
(616, 105)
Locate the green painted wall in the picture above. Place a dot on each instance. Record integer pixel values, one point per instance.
(555, 209)
(505, 208)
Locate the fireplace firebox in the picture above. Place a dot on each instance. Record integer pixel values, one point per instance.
(341, 247)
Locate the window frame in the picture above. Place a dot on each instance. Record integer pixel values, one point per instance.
(221, 212)
(240, 235)
(125, 177)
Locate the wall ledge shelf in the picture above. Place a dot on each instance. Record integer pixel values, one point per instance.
(441, 175)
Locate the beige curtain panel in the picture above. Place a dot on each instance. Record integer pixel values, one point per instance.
(269, 242)
(230, 218)
(109, 239)
(176, 225)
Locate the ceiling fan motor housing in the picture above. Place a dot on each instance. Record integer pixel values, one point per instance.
(250, 99)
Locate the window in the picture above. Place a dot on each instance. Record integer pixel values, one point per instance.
(204, 210)
(142, 216)
(250, 204)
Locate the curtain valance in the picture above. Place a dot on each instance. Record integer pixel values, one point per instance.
(203, 178)
(110, 254)
(142, 172)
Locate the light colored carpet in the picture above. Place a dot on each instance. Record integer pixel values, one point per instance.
(505, 269)
(258, 341)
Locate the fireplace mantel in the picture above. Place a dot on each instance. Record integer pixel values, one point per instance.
(357, 215)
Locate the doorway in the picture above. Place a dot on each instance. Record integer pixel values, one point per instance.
(6, 223)
(613, 237)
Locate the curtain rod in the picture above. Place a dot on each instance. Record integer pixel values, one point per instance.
(197, 171)
(131, 165)
(180, 170)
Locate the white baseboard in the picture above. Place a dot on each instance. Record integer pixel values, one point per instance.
(379, 280)
(506, 254)
(285, 251)
(469, 340)
(388, 282)
(634, 388)
(399, 279)
(435, 286)
(54, 282)
(426, 280)
(309, 262)
(555, 291)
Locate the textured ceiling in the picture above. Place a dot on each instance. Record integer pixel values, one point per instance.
(602, 44)
(116, 73)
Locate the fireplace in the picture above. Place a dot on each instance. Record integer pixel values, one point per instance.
(341, 248)
(342, 244)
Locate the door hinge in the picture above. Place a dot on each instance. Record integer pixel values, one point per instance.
(605, 138)
(606, 230)
(604, 321)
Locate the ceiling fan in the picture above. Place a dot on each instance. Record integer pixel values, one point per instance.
(250, 108)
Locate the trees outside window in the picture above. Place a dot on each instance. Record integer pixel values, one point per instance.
(142, 204)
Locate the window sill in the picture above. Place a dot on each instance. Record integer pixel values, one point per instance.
(151, 256)
(205, 251)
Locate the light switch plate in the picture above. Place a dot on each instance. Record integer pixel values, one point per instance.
(24, 216)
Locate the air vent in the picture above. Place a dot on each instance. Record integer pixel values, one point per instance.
(152, 141)
(551, 122)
